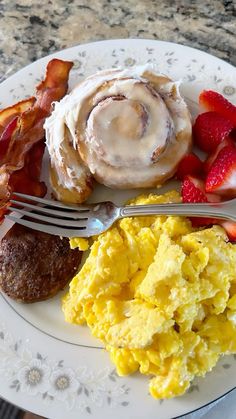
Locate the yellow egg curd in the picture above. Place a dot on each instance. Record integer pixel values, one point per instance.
(160, 295)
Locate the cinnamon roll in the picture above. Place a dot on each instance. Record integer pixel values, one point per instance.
(125, 128)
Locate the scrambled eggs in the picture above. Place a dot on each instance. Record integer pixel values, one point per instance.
(160, 295)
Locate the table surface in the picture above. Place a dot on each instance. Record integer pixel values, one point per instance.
(29, 31)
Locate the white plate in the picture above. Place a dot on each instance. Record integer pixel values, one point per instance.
(34, 338)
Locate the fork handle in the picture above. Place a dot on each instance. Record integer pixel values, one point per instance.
(224, 210)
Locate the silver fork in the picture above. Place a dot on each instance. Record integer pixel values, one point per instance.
(91, 219)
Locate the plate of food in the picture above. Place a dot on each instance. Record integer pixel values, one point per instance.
(139, 320)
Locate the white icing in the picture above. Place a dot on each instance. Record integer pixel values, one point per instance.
(113, 138)
(118, 149)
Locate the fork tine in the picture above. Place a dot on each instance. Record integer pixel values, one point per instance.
(50, 211)
(56, 231)
(51, 203)
(52, 220)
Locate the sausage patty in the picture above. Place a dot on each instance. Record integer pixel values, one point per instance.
(34, 266)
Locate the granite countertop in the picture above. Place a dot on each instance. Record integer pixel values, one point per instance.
(29, 31)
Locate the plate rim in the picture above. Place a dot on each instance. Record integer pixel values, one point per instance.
(85, 44)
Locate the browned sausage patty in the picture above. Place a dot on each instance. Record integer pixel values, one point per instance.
(34, 266)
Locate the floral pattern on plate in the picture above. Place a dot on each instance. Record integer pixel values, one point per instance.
(37, 375)
(165, 61)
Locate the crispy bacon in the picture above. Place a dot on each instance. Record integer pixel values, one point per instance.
(6, 136)
(22, 135)
(26, 180)
(7, 114)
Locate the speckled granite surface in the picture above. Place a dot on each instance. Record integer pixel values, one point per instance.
(30, 29)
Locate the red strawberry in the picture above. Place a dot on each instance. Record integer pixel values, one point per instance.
(230, 228)
(189, 165)
(193, 191)
(221, 178)
(213, 101)
(210, 160)
(210, 129)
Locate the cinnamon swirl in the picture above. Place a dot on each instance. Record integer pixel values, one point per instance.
(125, 128)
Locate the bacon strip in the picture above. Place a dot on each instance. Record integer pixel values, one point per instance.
(7, 114)
(22, 135)
(26, 180)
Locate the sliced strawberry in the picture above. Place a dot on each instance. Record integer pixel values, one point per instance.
(230, 228)
(221, 178)
(193, 191)
(213, 101)
(189, 165)
(210, 160)
(210, 129)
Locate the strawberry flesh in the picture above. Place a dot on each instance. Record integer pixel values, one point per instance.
(210, 129)
(215, 102)
(230, 228)
(193, 191)
(214, 132)
(212, 157)
(189, 165)
(221, 178)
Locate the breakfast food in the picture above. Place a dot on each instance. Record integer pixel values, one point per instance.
(214, 102)
(22, 135)
(193, 191)
(34, 266)
(161, 296)
(214, 179)
(220, 178)
(210, 129)
(189, 165)
(125, 128)
(159, 292)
